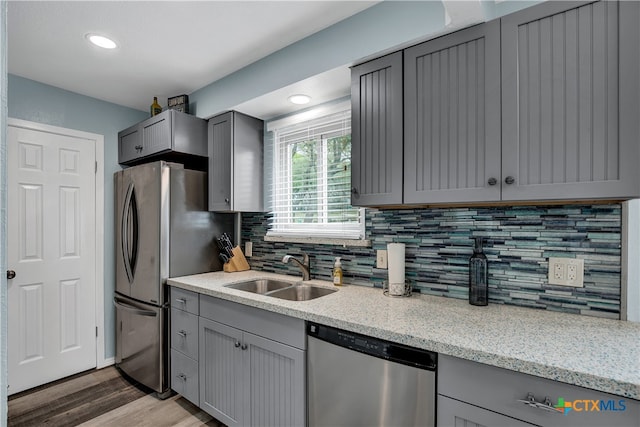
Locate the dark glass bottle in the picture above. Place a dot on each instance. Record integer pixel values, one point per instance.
(478, 285)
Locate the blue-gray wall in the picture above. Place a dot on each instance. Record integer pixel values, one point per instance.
(381, 28)
(3, 210)
(37, 102)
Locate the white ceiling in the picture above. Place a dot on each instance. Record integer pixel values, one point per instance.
(166, 48)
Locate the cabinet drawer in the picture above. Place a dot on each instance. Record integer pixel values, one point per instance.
(499, 390)
(184, 332)
(185, 300)
(455, 413)
(273, 326)
(184, 377)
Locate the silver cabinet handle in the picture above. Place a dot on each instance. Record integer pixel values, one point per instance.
(545, 405)
(181, 300)
(237, 344)
(182, 333)
(226, 200)
(11, 274)
(244, 347)
(183, 377)
(354, 190)
(509, 180)
(492, 181)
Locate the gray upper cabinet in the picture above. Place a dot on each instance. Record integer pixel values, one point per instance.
(235, 163)
(452, 117)
(376, 132)
(563, 126)
(170, 135)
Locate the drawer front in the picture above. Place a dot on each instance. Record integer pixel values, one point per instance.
(500, 389)
(184, 333)
(185, 300)
(184, 377)
(273, 326)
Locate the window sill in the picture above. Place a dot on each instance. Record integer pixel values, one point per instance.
(320, 241)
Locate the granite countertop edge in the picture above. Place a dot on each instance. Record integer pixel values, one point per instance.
(535, 342)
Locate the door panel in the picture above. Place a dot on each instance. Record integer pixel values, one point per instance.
(220, 137)
(139, 213)
(452, 117)
(51, 247)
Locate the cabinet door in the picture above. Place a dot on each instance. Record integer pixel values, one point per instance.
(376, 132)
(129, 144)
(560, 104)
(221, 373)
(220, 164)
(454, 413)
(276, 387)
(156, 134)
(452, 117)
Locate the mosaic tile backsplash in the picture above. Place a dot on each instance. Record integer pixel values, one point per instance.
(518, 242)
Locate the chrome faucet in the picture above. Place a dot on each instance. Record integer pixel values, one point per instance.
(304, 265)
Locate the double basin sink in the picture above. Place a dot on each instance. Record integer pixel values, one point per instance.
(283, 290)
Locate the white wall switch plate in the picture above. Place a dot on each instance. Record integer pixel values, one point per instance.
(381, 258)
(566, 272)
(248, 249)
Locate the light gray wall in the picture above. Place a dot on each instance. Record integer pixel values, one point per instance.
(37, 102)
(3, 210)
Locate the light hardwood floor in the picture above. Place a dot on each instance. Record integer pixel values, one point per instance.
(101, 398)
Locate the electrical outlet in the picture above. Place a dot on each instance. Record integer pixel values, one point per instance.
(566, 272)
(248, 249)
(381, 258)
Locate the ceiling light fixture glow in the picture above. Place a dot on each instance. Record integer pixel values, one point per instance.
(101, 41)
(299, 99)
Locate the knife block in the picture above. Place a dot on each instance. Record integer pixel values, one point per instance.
(237, 262)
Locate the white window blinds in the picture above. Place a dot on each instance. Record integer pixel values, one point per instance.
(311, 178)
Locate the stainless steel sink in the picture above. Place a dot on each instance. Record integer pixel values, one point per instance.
(281, 289)
(260, 286)
(301, 292)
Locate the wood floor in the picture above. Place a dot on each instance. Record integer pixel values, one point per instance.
(101, 398)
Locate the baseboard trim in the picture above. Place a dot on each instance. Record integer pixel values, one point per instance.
(106, 362)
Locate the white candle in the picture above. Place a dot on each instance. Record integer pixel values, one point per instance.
(395, 254)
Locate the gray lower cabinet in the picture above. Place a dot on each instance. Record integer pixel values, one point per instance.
(184, 343)
(566, 94)
(235, 143)
(452, 117)
(376, 132)
(171, 133)
(474, 394)
(251, 373)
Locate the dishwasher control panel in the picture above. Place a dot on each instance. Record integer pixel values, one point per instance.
(375, 347)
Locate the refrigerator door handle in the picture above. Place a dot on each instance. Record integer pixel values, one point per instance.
(135, 310)
(129, 232)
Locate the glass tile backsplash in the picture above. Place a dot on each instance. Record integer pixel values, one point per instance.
(518, 242)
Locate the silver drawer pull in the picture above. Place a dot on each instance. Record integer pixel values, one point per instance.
(181, 300)
(183, 377)
(182, 333)
(546, 405)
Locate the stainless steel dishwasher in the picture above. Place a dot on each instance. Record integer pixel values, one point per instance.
(355, 380)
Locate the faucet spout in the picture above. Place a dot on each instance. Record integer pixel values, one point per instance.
(304, 265)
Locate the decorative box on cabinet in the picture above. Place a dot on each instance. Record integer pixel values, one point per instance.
(376, 132)
(471, 393)
(252, 365)
(235, 163)
(184, 343)
(170, 135)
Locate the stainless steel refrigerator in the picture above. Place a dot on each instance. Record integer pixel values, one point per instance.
(162, 230)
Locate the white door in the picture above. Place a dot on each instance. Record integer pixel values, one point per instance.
(51, 248)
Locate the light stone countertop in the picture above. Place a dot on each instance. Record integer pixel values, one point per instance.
(599, 354)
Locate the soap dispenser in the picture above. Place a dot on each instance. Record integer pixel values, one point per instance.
(337, 272)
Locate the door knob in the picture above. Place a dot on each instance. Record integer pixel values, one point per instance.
(492, 181)
(509, 180)
(11, 274)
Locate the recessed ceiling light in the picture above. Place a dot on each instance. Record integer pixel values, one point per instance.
(299, 99)
(101, 41)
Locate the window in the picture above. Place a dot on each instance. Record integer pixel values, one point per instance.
(311, 176)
